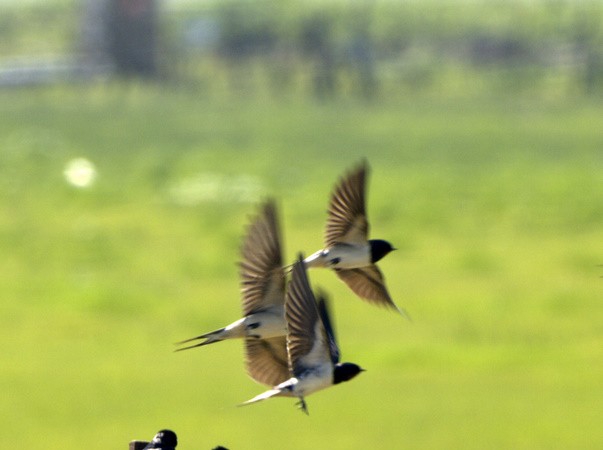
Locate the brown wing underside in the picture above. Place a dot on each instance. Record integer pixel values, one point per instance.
(368, 283)
(266, 360)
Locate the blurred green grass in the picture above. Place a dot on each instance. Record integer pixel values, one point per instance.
(495, 203)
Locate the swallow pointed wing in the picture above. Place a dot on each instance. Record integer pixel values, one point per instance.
(347, 220)
(260, 270)
(307, 341)
(368, 283)
(267, 360)
(323, 311)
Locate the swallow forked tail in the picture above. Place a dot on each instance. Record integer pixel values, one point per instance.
(262, 396)
(209, 338)
(316, 259)
(275, 393)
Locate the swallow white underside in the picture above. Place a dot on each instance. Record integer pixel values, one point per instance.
(262, 325)
(341, 256)
(317, 376)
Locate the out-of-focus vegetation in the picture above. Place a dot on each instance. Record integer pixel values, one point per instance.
(373, 48)
(485, 174)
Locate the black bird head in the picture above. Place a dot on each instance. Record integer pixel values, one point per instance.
(345, 372)
(164, 440)
(379, 248)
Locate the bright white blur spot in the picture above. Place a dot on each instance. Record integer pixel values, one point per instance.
(80, 172)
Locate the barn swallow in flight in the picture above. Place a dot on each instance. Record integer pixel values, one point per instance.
(313, 354)
(263, 326)
(348, 251)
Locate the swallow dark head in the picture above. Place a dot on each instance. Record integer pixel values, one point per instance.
(379, 248)
(345, 372)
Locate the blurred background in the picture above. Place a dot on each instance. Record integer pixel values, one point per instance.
(138, 136)
(322, 49)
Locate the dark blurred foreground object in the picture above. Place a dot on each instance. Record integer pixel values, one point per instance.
(137, 445)
(163, 440)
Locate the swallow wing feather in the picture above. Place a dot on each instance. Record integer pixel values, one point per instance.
(307, 340)
(368, 283)
(347, 222)
(261, 273)
(266, 360)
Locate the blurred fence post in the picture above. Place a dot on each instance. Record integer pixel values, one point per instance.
(120, 36)
(92, 43)
(132, 33)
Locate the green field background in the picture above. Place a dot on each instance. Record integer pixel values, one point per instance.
(496, 207)
(494, 198)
